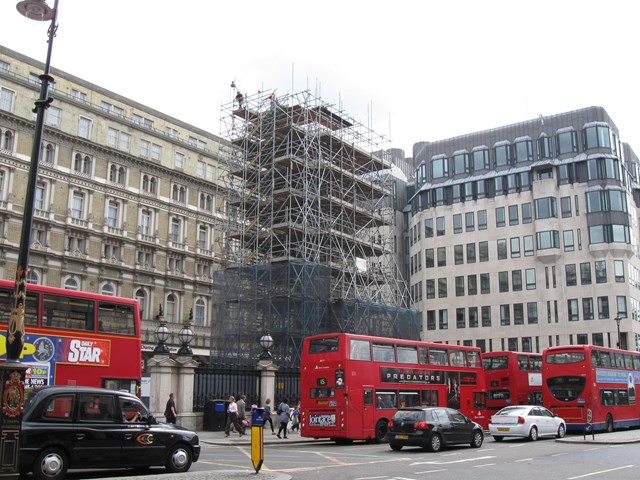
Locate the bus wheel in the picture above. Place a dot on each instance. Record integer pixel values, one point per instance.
(609, 425)
(381, 431)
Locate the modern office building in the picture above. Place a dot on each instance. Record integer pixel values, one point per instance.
(526, 236)
(128, 200)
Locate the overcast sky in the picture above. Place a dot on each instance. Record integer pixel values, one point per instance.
(411, 70)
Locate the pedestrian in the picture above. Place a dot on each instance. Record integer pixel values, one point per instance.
(283, 415)
(295, 419)
(232, 417)
(240, 99)
(242, 412)
(267, 414)
(170, 412)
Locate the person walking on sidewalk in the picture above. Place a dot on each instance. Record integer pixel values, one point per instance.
(295, 420)
(232, 417)
(283, 416)
(267, 415)
(242, 412)
(170, 412)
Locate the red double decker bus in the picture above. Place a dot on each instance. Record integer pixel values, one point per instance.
(76, 338)
(589, 385)
(351, 385)
(513, 378)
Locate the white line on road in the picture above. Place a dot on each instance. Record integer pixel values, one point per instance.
(484, 465)
(524, 460)
(431, 471)
(598, 473)
(559, 454)
(436, 462)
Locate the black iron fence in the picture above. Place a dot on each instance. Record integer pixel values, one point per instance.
(215, 382)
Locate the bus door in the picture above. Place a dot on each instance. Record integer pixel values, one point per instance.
(368, 412)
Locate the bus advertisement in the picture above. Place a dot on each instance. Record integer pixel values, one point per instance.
(76, 338)
(592, 387)
(513, 378)
(351, 385)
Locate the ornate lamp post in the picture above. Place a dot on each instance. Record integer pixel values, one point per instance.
(12, 371)
(617, 319)
(186, 336)
(266, 342)
(162, 334)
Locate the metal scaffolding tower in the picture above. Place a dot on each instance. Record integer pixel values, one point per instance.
(309, 238)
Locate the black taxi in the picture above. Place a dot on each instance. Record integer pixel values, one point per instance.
(82, 427)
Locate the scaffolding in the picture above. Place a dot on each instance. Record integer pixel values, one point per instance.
(309, 233)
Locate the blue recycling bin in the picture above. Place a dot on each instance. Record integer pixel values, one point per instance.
(215, 417)
(257, 417)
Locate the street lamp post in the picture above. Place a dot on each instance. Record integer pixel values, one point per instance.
(12, 371)
(617, 319)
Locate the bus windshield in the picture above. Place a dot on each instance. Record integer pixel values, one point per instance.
(565, 357)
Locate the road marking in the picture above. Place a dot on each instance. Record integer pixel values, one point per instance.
(484, 465)
(598, 473)
(436, 462)
(591, 449)
(559, 454)
(523, 460)
(431, 471)
(517, 446)
(369, 478)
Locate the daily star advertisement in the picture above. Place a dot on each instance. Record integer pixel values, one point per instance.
(41, 353)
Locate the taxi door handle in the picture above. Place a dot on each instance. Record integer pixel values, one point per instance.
(80, 436)
(128, 436)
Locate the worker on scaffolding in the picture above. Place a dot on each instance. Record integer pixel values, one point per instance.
(240, 99)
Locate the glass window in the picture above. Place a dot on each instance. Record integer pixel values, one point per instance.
(442, 256)
(500, 219)
(601, 271)
(567, 142)
(458, 254)
(587, 309)
(486, 316)
(471, 253)
(585, 273)
(603, 307)
(472, 285)
(429, 258)
(440, 228)
(546, 208)
(383, 352)
(618, 271)
(439, 168)
(544, 147)
(502, 248)
(469, 221)
(567, 237)
(483, 248)
(526, 213)
(482, 219)
(485, 283)
(428, 228)
(570, 275)
(359, 350)
(442, 288)
(530, 278)
(597, 136)
(502, 155)
(457, 223)
(459, 286)
(460, 318)
(527, 240)
(565, 206)
(480, 159)
(461, 163)
(473, 318)
(572, 310)
(548, 239)
(513, 215)
(505, 315)
(515, 247)
(532, 312)
(516, 280)
(518, 314)
(524, 150)
(503, 282)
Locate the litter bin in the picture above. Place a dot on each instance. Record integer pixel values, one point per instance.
(214, 415)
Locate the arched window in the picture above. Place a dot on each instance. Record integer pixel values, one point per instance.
(77, 163)
(49, 151)
(7, 140)
(141, 296)
(86, 165)
(33, 277)
(170, 311)
(71, 284)
(108, 289)
(200, 312)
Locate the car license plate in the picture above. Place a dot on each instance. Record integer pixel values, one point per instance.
(402, 437)
(503, 429)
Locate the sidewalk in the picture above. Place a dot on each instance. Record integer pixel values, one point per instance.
(613, 438)
(218, 438)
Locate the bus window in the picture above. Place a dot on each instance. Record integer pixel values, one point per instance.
(623, 397)
(407, 354)
(429, 398)
(535, 363)
(628, 363)
(409, 399)
(359, 350)
(636, 362)
(565, 357)
(437, 356)
(606, 397)
(456, 358)
(605, 359)
(474, 359)
(118, 319)
(7, 302)
(322, 393)
(386, 400)
(619, 360)
(68, 312)
(322, 345)
(479, 400)
(383, 352)
(423, 355)
(523, 362)
(368, 397)
(499, 362)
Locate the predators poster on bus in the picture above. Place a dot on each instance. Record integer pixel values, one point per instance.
(41, 353)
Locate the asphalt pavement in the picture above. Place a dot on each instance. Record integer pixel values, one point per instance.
(219, 438)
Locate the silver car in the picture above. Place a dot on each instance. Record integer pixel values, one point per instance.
(530, 421)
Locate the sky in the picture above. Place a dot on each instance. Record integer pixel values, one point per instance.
(411, 70)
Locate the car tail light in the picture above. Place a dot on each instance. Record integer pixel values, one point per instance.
(520, 419)
(390, 424)
(421, 426)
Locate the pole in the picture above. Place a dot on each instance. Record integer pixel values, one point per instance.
(15, 330)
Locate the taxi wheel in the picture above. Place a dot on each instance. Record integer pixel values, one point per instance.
(179, 459)
(51, 464)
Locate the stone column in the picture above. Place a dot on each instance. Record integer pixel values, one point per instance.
(268, 371)
(185, 375)
(163, 371)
